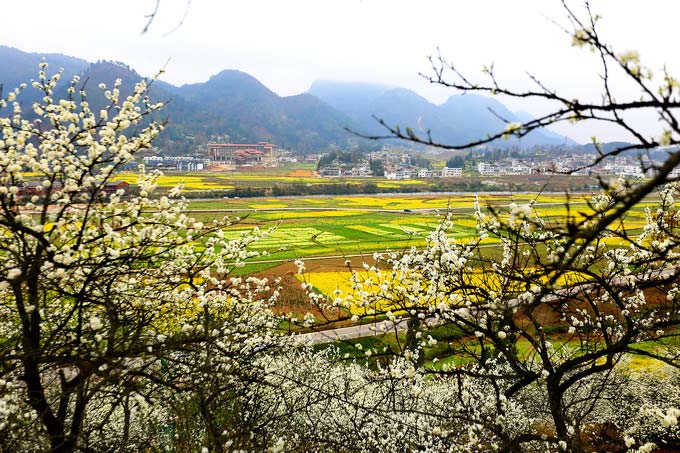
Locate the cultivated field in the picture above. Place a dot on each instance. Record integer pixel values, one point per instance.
(303, 175)
(327, 230)
(258, 178)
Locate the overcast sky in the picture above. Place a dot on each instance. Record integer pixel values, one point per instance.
(287, 44)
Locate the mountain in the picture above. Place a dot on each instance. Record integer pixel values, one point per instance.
(524, 116)
(21, 67)
(235, 106)
(348, 97)
(230, 104)
(235, 103)
(363, 101)
(459, 120)
(177, 113)
(474, 116)
(477, 116)
(606, 147)
(406, 108)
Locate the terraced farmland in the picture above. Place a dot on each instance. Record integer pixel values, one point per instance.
(299, 234)
(330, 229)
(317, 226)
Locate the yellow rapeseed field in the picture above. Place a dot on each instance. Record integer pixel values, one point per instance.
(307, 214)
(190, 182)
(338, 284)
(370, 230)
(267, 205)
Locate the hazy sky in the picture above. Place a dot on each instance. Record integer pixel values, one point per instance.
(287, 44)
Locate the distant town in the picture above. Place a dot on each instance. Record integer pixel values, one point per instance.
(397, 163)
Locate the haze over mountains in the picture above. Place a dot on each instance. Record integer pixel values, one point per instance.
(235, 106)
(462, 118)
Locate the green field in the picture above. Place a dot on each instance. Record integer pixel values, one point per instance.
(302, 227)
(343, 225)
(298, 234)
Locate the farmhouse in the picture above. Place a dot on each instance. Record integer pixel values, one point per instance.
(36, 188)
(112, 187)
(242, 154)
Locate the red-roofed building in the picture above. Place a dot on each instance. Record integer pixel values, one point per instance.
(239, 154)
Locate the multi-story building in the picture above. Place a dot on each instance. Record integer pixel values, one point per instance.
(452, 172)
(239, 154)
(399, 174)
(179, 163)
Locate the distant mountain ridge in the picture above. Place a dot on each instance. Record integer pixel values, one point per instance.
(231, 105)
(21, 67)
(461, 119)
(235, 106)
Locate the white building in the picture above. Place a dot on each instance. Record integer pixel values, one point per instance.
(399, 174)
(455, 172)
(485, 169)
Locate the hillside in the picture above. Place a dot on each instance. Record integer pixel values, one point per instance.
(231, 105)
(462, 118)
(235, 106)
(21, 67)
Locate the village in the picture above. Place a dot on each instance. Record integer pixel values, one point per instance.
(398, 163)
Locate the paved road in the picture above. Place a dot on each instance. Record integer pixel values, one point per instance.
(367, 330)
(359, 331)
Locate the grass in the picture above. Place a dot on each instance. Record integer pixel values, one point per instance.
(347, 225)
(350, 225)
(443, 353)
(338, 225)
(316, 233)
